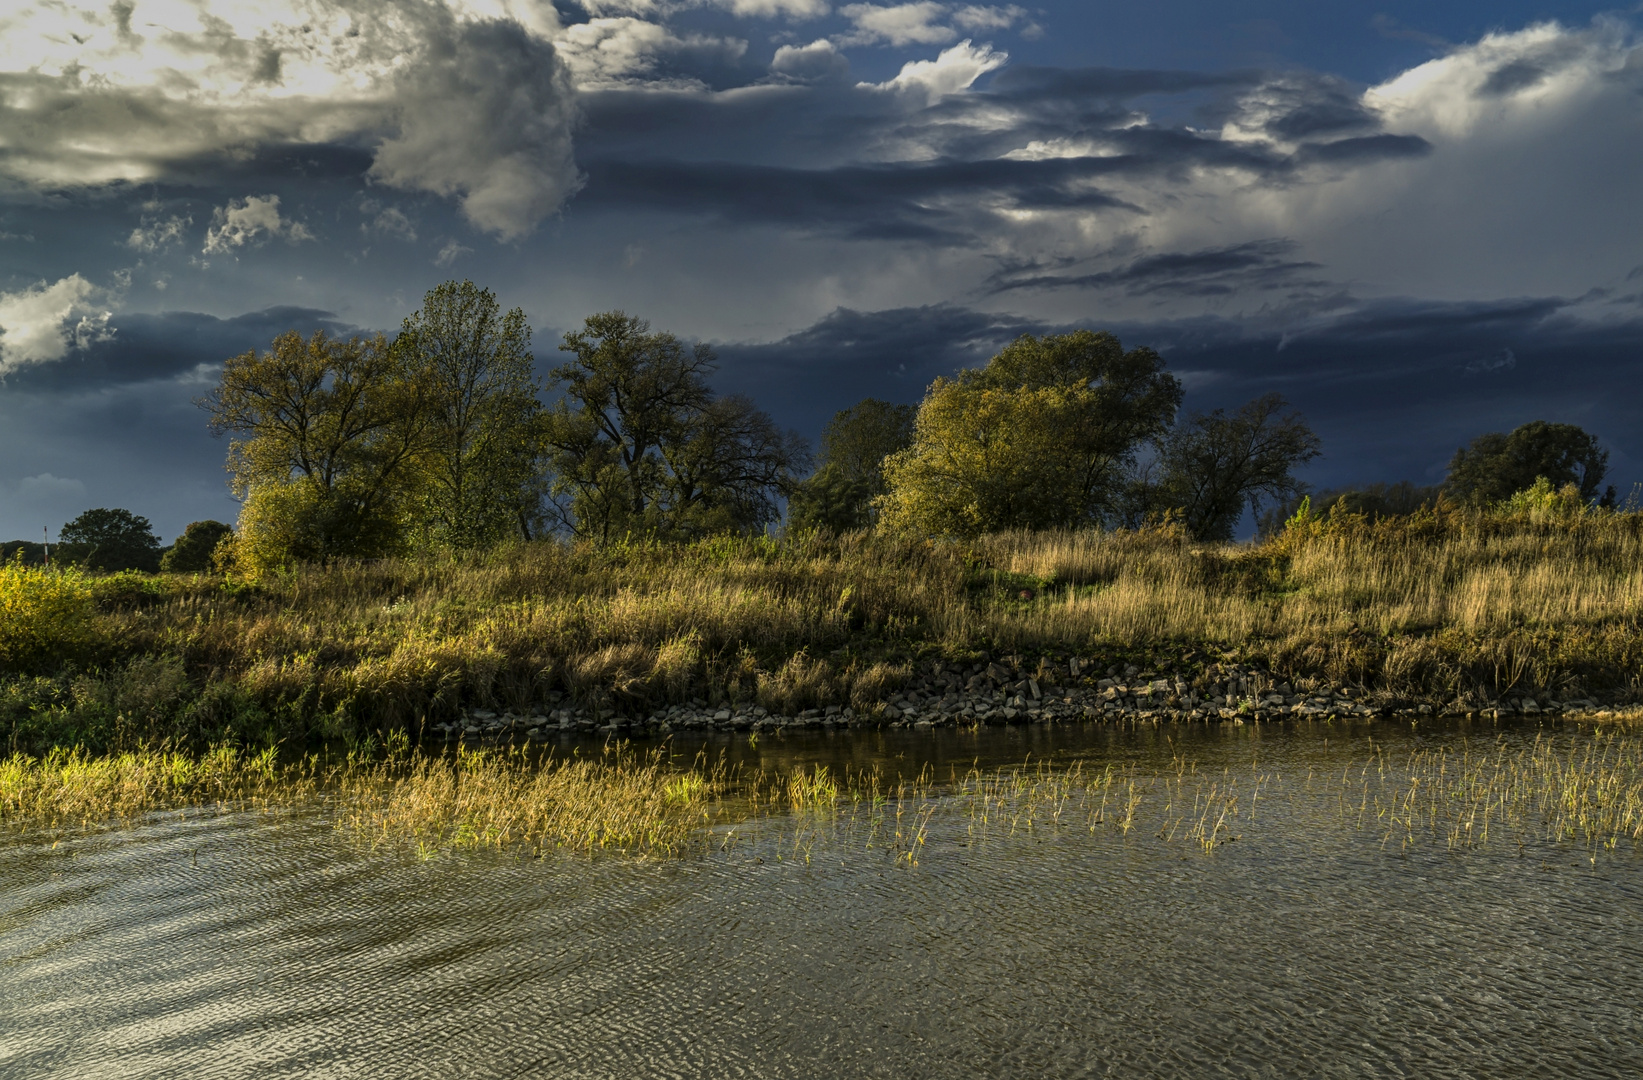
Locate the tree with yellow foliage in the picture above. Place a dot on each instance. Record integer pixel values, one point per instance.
(1040, 438)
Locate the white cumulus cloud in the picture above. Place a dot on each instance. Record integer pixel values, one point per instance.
(153, 236)
(816, 62)
(629, 51)
(981, 17)
(253, 218)
(42, 323)
(902, 24)
(953, 70)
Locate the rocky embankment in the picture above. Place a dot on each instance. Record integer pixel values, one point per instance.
(1009, 691)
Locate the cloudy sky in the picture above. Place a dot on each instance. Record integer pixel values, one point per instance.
(1418, 221)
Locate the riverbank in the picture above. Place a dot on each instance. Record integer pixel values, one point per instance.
(1450, 611)
(1056, 690)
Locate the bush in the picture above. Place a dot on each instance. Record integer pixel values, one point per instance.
(45, 616)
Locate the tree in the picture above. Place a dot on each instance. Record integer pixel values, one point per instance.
(479, 475)
(1215, 465)
(727, 464)
(638, 442)
(850, 474)
(192, 551)
(1493, 466)
(328, 434)
(110, 540)
(1041, 437)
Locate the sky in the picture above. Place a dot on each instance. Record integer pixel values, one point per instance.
(1417, 221)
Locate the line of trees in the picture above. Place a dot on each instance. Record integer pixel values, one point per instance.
(440, 438)
(1488, 470)
(1061, 431)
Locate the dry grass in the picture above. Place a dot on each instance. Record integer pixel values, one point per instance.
(1447, 604)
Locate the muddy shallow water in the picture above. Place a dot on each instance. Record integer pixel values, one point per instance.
(1305, 944)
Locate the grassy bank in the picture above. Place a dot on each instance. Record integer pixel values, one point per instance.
(1448, 605)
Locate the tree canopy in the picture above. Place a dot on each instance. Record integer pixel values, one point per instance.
(1041, 437)
(1494, 465)
(478, 480)
(850, 472)
(327, 434)
(193, 549)
(639, 443)
(1216, 465)
(110, 540)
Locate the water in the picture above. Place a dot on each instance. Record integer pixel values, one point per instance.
(273, 945)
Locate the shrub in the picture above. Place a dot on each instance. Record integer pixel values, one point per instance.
(45, 616)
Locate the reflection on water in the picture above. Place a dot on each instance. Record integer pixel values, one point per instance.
(254, 945)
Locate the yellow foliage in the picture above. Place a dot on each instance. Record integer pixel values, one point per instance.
(986, 458)
(45, 614)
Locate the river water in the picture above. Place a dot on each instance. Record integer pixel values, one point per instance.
(1305, 944)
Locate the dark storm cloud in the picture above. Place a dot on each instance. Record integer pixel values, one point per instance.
(1393, 386)
(167, 345)
(940, 165)
(867, 202)
(805, 377)
(1057, 88)
(1363, 150)
(1209, 272)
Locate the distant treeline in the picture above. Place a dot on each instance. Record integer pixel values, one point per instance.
(443, 438)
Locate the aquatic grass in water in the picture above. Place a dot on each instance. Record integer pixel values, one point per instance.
(614, 800)
(505, 799)
(1584, 788)
(1587, 791)
(70, 788)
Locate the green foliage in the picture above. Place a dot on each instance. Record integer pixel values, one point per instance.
(839, 496)
(1216, 465)
(1040, 438)
(478, 476)
(29, 552)
(192, 551)
(110, 540)
(327, 437)
(833, 501)
(45, 616)
(1494, 466)
(1374, 501)
(1541, 502)
(638, 444)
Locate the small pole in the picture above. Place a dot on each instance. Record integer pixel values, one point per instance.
(45, 538)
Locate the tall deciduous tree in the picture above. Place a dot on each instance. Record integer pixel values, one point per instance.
(1041, 437)
(850, 474)
(1216, 465)
(479, 476)
(110, 540)
(1493, 466)
(327, 436)
(639, 443)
